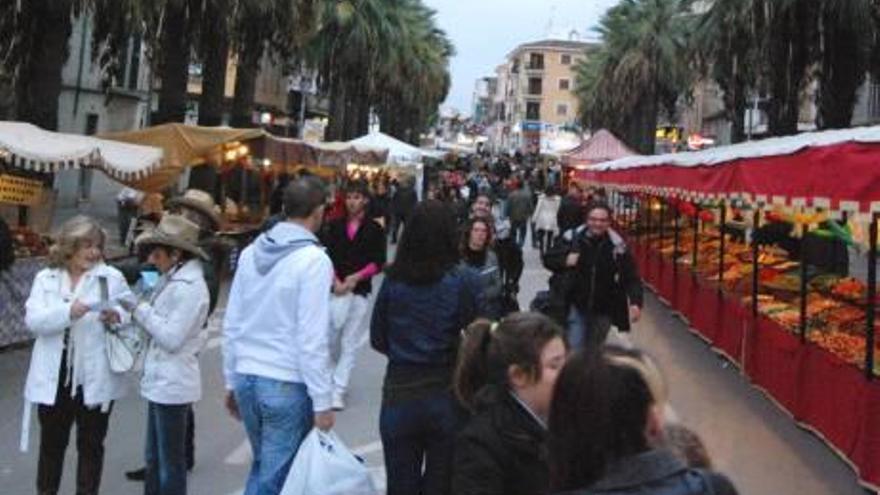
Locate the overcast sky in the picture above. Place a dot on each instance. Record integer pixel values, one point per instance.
(484, 31)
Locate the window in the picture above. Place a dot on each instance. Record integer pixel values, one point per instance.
(535, 86)
(91, 124)
(536, 61)
(134, 63)
(565, 59)
(562, 109)
(564, 84)
(533, 111)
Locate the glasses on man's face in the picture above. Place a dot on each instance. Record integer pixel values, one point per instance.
(598, 220)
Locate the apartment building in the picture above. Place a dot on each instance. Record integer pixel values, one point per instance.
(535, 93)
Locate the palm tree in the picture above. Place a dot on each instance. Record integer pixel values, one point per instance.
(214, 55)
(642, 68)
(33, 47)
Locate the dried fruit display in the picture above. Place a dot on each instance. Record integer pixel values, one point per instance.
(850, 288)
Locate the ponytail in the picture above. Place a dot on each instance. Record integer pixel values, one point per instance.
(489, 349)
(472, 370)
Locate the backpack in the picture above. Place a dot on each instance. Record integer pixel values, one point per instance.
(688, 482)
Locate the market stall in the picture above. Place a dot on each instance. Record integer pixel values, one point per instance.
(403, 159)
(769, 251)
(29, 156)
(601, 147)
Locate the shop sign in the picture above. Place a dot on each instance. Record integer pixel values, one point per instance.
(19, 191)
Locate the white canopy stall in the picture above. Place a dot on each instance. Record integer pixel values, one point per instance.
(29, 147)
(400, 154)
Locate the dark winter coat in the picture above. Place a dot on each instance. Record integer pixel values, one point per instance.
(7, 247)
(519, 206)
(404, 202)
(605, 281)
(657, 472)
(352, 256)
(571, 214)
(502, 450)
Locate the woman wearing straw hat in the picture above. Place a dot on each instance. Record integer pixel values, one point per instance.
(174, 319)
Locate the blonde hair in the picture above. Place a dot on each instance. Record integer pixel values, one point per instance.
(71, 236)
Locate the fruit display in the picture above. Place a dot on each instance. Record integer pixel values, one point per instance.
(28, 243)
(851, 289)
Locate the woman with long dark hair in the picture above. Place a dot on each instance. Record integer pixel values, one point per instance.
(477, 254)
(417, 320)
(505, 376)
(607, 431)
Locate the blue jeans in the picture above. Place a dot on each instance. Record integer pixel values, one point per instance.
(277, 417)
(418, 438)
(518, 231)
(586, 330)
(166, 449)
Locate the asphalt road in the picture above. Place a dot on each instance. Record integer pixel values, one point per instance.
(750, 439)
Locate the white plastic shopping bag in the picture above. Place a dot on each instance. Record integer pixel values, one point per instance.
(324, 466)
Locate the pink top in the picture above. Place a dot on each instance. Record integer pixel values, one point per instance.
(351, 230)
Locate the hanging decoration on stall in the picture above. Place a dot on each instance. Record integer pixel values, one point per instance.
(19, 190)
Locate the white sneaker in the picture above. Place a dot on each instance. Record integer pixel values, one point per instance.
(338, 402)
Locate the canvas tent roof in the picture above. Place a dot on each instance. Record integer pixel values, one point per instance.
(398, 151)
(602, 146)
(32, 148)
(332, 154)
(184, 145)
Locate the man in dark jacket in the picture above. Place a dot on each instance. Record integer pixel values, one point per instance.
(519, 207)
(402, 204)
(356, 245)
(596, 278)
(571, 210)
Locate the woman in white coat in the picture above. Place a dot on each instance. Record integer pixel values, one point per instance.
(174, 318)
(544, 218)
(70, 377)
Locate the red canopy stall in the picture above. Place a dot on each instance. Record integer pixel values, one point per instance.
(601, 147)
(768, 250)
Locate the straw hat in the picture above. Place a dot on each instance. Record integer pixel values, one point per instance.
(174, 231)
(200, 201)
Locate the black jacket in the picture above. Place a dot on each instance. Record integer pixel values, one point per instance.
(657, 472)
(404, 201)
(7, 247)
(352, 256)
(605, 281)
(501, 451)
(571, 214)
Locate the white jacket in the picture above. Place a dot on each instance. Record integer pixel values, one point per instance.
(174, 318)
(277, 320)
(545, 213)
(47, 315)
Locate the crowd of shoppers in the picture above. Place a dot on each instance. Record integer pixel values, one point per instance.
(477, 397)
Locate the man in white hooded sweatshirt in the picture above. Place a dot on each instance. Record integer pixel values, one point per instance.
(276, 357)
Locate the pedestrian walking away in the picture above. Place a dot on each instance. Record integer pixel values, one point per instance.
(505, 376)
(545, 219)
(617, 399)
(596, 279)
(571, 209)
(69, 378)
(356, 245)
(402, 203)
(276, 356)
(174, 318)
(519, 207)
(418, 317)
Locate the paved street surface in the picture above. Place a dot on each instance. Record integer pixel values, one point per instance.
(750, 440)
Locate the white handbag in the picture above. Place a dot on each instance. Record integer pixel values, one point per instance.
(125, 345)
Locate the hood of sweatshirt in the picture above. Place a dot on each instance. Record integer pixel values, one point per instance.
(284, 238)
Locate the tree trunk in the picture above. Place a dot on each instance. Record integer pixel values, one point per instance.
(249, 57)
(174, 63)
(843, 72)
(215, 59)
(48, 25)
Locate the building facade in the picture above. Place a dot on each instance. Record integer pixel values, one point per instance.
(535, 94)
